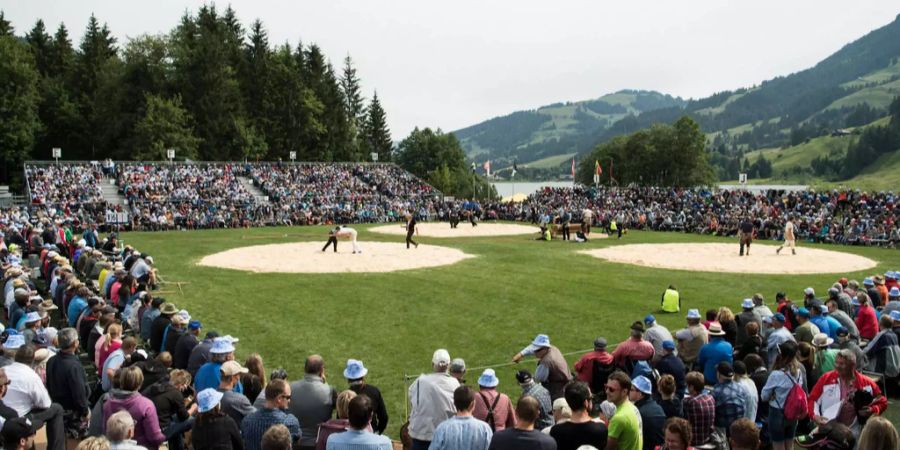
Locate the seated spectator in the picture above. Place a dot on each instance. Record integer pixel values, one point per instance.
(254, 380)
(215, 430)
(634, 349)
(879, 434)
(172, 410)
(678, 435)
(313, 401)
(744, 435)
(141, 409)
(120, 432)
(237, 406)
(278, 437)
(278, 397)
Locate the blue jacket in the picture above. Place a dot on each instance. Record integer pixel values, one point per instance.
(711, 354)
(824, 326)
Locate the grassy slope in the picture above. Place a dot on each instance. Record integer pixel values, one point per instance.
(550, 161)
(483, 309)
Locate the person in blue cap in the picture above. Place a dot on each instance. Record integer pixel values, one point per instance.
(806, 330)
(872, 291)
(213, 428)
(492, 406)
(653, 419)
(670, 364)
(656, 334)
(186, 344)
(745, 317)
(553, 370)
(355, 373)
(820, 321)
(209, 375)
(893, 303)
(692, 338)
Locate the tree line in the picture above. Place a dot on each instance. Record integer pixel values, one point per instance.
(210, 89)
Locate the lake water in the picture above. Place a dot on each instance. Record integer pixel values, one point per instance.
(505, 189)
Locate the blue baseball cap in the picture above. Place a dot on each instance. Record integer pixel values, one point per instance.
(803, 312)
(668, 345)
(194, 325)
(488, 378)
(779, 317)
(355, 370)
(649, 318)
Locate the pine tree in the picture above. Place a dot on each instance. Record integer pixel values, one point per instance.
(376, 135)
(40, 43)
(62, 55)
(96, 50)
(354, 103)
(6, 28)
(19, 99)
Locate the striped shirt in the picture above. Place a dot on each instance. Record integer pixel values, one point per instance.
(256, 424)
(461, 433)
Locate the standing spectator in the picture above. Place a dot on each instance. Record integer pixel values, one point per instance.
(357, 436)
(149, 316)
(523, 436)
(313, 400)
(731, 399)
(541, 395)
(67, 385)
(214, 429)
(877, 349)
(759, 307)
(18, 434)
(431, 398)
(355, 373)
(716, 351)
(625, 425)
(338, 424)
(278, 396)
(653, 418)
(276, 438)
(741, 378)
(237, 406)
(458, 370)
(785, 374)
(746, 317)
(835, 312)
(209, 375)
(744, 435)
(463, 431)
(491, 406)
(729, 325)
(579, 429)
(159, 326)
(699, 409)
(553, 370)
(669, 402)
(866, 319)
(691, 339)
(678, 435)
(778, 334)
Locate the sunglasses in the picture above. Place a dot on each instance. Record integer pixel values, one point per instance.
(611, 389)
(286, 397)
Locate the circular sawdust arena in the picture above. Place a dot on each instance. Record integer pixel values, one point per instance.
(725, 258)
(465, 229)
(308, 257)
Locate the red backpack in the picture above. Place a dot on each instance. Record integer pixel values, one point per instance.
(795, 405)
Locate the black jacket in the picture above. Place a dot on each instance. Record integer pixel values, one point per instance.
(217, 433)
(157, 328)
(169, 402)
(66, 383)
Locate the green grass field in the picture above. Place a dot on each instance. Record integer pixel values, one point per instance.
(483, 309)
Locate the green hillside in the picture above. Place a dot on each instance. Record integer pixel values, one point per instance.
(554, 130)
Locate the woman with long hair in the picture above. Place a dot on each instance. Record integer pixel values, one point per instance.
(806, 355)
(786, 372)
(214, 429)
(254, 380)
(110, 342)
(729, 324)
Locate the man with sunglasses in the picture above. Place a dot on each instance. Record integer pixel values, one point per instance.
(625, 426)
(278, 397)
(580, 429)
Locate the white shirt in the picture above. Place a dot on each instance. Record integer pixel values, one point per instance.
(431, 397)
(26, 391)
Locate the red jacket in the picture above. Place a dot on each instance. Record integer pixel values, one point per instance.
(867, 322)
(818, 404)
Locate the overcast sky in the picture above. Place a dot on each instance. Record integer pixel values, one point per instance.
(456, 63)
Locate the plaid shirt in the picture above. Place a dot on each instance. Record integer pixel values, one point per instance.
(700, 411)
(542, 395)
(730, 399)
(255, 425)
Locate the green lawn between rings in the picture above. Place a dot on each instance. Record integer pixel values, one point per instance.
(482, 309)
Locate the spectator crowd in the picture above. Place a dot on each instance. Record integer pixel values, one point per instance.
(92, 354)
